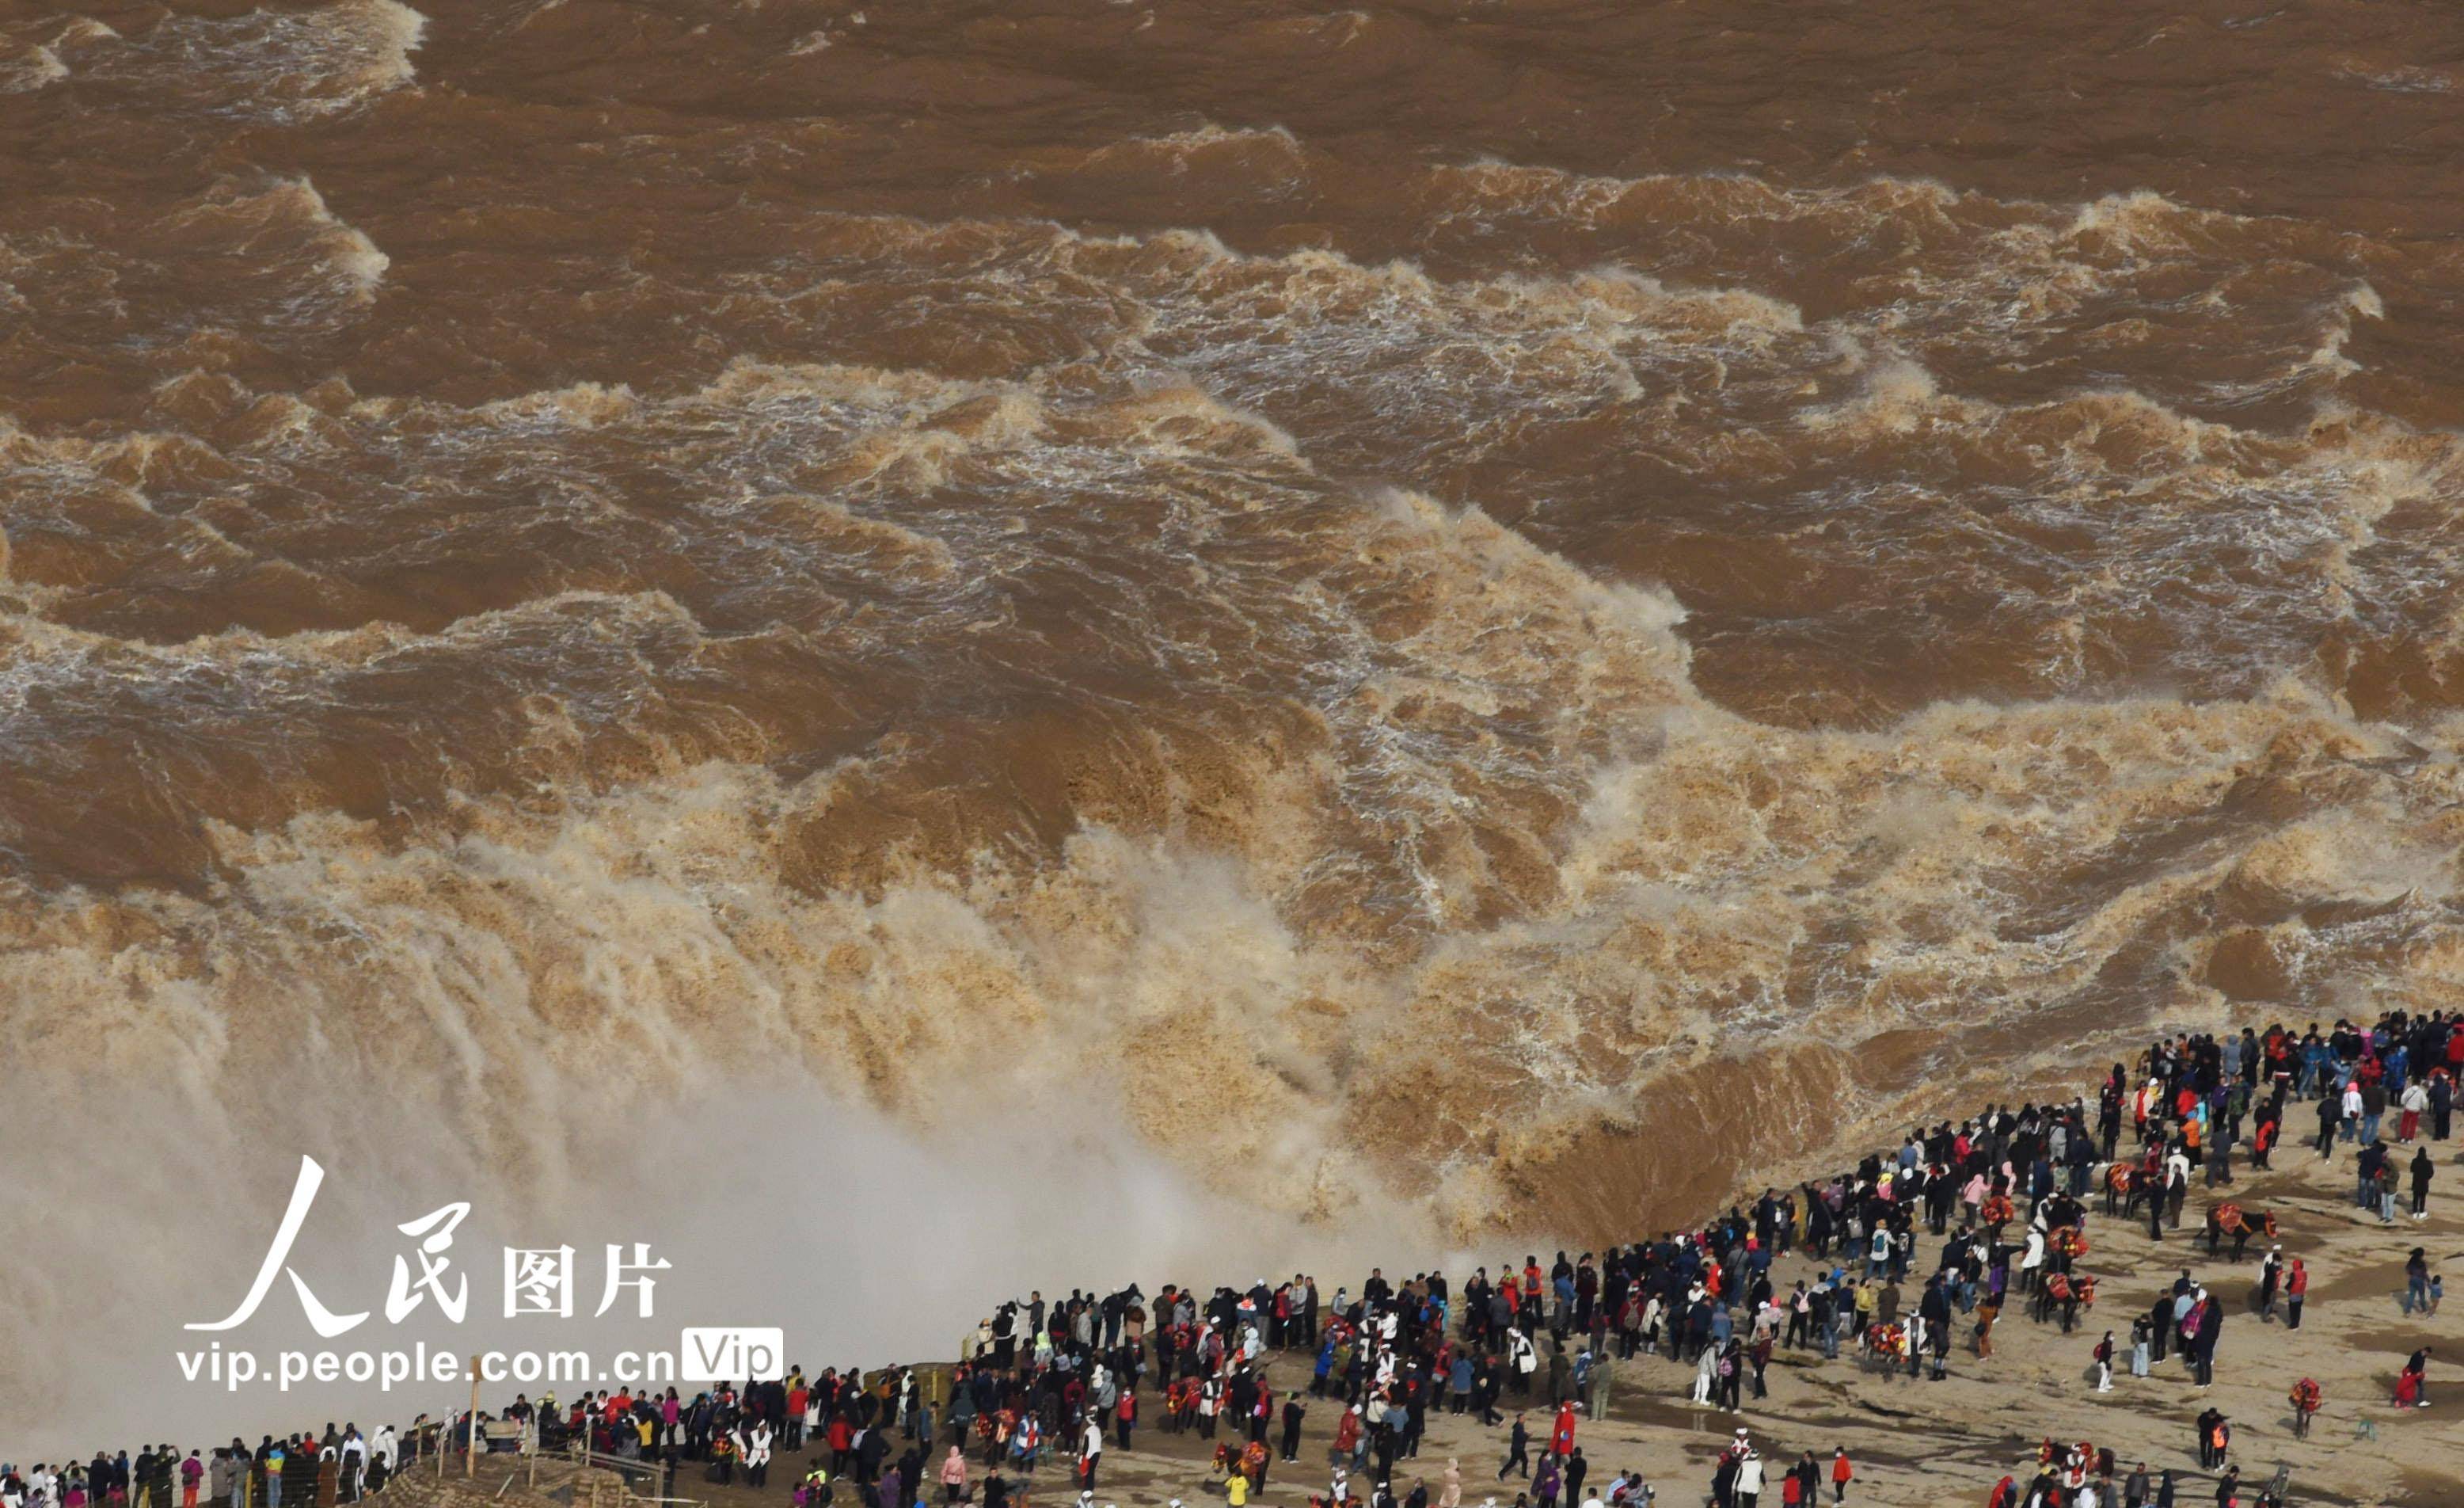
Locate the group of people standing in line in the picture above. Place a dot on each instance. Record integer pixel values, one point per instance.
(234, 1475)
(2000, 1200)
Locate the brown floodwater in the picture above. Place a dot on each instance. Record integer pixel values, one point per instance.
(1539, 606)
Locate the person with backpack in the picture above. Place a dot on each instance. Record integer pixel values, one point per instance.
(2305, 1397)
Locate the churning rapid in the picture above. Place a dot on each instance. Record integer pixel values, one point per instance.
(1517, 610)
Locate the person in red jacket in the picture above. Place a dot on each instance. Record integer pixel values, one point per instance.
(1842, 1475)
(1561, 1440)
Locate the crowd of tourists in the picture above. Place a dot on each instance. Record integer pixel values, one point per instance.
(1970, 1214)
(273, 1472)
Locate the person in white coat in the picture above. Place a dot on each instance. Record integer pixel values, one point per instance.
(1750, 1479)
(1090, 1449)
(756, 1447)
